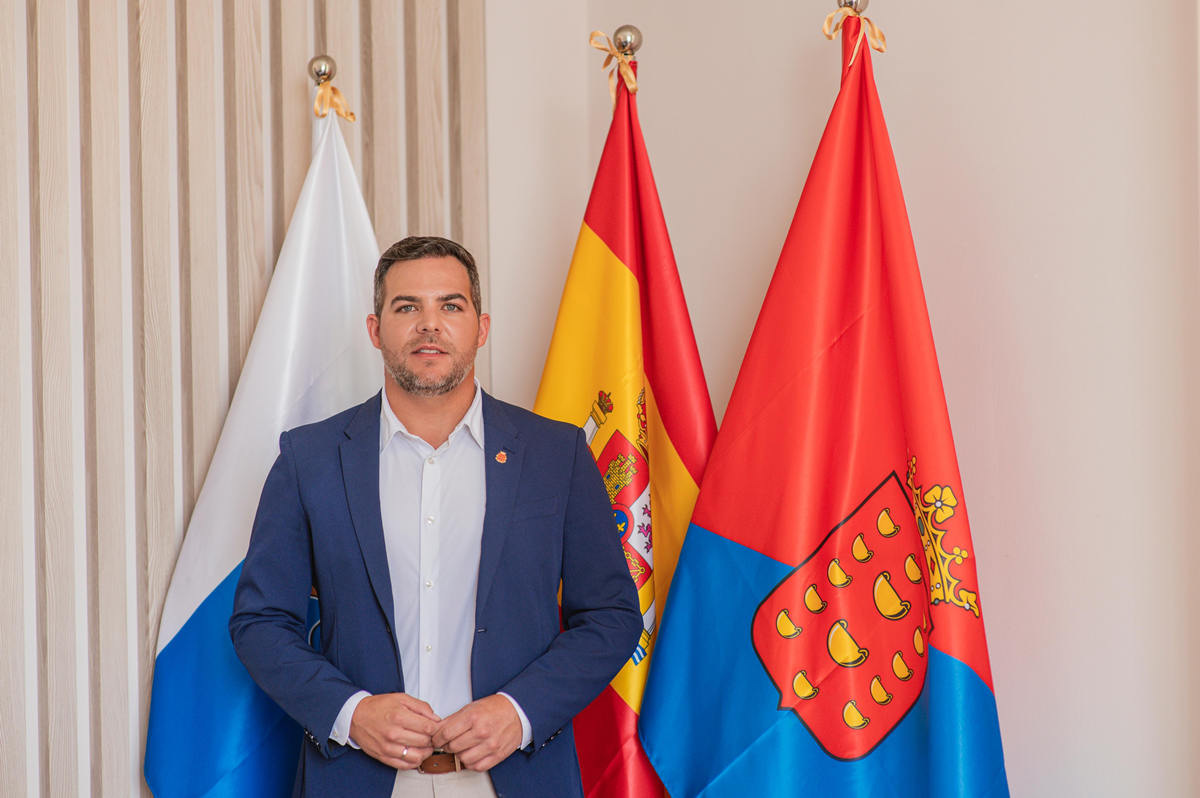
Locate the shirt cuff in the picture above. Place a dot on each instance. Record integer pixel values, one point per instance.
(526, 729)
(340, 733)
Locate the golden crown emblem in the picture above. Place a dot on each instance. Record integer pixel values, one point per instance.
(933, 508)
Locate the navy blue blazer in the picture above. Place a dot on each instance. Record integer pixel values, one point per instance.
(548, 519)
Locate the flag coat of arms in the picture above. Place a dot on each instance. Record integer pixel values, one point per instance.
(825, 631)
(623, 365)
(212, 731)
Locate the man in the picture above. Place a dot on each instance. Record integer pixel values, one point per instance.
(436, 524)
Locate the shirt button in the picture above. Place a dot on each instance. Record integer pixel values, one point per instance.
(428, 584)
(429, 520)
(431, 461)
(428, 649)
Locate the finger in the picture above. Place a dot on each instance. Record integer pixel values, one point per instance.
(413, 739)
(464, 742)
(404, 757)
(404, 718)
(396, 748)
(398, 735)
(456, 726)
(481, 757)
(419, 707)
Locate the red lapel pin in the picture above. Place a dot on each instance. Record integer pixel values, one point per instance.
(502, 457)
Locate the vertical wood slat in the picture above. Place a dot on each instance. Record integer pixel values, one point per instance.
(150, 73)
(53, 456)
(249, 273)
(12, 610)
(343, 44)
(467, 78)
(423, 65)
(105, 399)
(291, 117)
(383, 153)
(198, 241)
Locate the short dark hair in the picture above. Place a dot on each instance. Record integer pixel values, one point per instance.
(418, 247)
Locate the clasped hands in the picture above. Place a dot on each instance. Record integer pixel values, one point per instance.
(401, 731)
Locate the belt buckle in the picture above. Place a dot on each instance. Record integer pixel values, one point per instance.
(457, 762)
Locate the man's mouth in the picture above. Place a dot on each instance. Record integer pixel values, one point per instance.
(429, 350)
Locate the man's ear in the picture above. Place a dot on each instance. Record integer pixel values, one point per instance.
(485, 325)
(373, 330)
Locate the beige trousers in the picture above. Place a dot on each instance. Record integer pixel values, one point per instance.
(463, 784)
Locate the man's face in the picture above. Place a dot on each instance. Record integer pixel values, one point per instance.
(428, 330)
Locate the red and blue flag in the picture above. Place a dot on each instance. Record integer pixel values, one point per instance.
(825, 629)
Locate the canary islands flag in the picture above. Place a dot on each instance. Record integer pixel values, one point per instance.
(825, 630)
(623, 365)
(213, 733)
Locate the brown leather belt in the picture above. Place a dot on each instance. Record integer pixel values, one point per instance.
(440, 762)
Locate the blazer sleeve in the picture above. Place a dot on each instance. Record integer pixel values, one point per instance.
(270, 609)
(602, 621)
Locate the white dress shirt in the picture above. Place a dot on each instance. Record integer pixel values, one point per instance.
(432, 502)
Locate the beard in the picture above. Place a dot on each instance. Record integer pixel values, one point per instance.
(412, 382)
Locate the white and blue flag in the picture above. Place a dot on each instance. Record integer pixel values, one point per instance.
(212, 732)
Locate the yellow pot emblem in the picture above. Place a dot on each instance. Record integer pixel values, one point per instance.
(785, 627)
(879, 693)
(886, 526)
(843, 648)
(802, 687)
(838, 577)
(813, 600)
(854, 719)
(900, 668)
(912, 570)
(887, 600)
(859, 549)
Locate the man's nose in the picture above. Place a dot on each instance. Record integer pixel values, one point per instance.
(428, 321)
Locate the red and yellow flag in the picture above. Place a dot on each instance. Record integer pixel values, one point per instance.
(623, 365)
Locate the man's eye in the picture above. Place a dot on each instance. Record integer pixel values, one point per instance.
(453, 307)
(407, 308)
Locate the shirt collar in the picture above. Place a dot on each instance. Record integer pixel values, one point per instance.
(389, 425)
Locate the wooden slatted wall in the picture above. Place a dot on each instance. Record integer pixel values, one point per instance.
(155, 152)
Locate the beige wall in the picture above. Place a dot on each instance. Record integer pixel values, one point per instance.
(1049, 158)
(538, 176)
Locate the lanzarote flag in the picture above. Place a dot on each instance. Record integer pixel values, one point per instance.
(825, 630)
(623, 365)
(212, 731)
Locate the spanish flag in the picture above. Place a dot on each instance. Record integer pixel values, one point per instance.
(623, 365)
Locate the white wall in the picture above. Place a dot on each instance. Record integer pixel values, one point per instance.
(1049, 158)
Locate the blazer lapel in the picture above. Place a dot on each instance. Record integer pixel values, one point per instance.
(360, 472)
(502, 473)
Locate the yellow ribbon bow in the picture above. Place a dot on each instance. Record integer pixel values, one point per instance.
(600, 41)
(869, 30)
(328, 97)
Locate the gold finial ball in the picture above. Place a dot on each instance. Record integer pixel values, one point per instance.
(322, 68)
(627, 39)
(858, 5)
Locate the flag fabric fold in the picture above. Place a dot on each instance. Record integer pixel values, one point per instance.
(212, 732)
(825, 630)
(623, 365)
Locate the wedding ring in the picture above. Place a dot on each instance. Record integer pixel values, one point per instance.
(404, 753)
